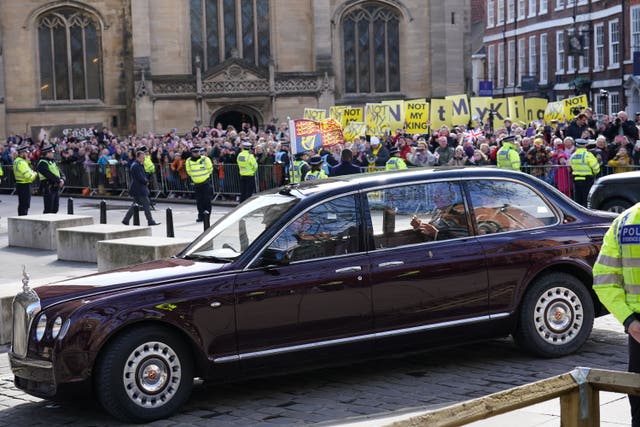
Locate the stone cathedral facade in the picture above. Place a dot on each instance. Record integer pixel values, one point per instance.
(152, 65)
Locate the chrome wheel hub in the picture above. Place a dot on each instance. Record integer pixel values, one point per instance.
(558, 315)
(151, 374)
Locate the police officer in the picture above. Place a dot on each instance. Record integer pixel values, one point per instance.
(395, 162)
(24, 176)
(584, 166)
(508, 157)
(616, 281)
(247, 166)
(51, 180)
(299, 168)
(316, 171)
(199, 169)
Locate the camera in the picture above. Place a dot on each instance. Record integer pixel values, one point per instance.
(604, 93)
(618, 121)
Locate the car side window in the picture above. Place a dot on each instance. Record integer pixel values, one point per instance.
(500, 206)
(329, 229)
(417, 213)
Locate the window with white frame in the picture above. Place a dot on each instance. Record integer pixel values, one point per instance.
(598, 47)
(511, 10)
(544, 59)
(571, 3)
(500, 79)
(522, 59)
(522, 9)
(543, 6)
(533, 56)
(560, 51)
(511, 65)
(601, 104)
(635, 29)
(491, 63)
(500, 17)
(614, 44)
(559, 4)
(571, 64)
(532, 7)
(491, 14)
(584, 59)
(614, 102)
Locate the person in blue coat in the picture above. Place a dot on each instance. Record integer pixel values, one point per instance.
(139, 190)
(345, 167)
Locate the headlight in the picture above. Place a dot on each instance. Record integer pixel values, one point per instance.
(55, 329)
(65, 328)
(41, 327)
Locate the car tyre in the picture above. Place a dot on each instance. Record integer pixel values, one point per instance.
(144, 374)
(616, 205)
(556, 316)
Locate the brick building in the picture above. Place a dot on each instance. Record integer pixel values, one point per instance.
(558, 48)
(141, 65)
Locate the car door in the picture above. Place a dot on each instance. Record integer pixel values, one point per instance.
(427, 268)
(322, 295)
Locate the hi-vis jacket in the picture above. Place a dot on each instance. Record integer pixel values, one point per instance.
(508, 157)
(583, 164)
(199, 170)
(616, 273)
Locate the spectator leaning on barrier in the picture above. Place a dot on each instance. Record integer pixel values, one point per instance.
(584, 167)
(199, 169)
(51, 180)
(247, 166)
(24, 176)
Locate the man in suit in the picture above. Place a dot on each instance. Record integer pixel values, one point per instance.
(346, 166)
(139, 190)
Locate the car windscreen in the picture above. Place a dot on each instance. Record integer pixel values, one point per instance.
(230, 237)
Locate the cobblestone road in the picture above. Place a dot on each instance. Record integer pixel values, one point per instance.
(332, 396)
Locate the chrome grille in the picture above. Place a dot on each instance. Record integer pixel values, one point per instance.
(26, 305)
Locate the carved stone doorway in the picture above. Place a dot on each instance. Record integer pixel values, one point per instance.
(234, 118)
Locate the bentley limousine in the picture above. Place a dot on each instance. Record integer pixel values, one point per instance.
(320, 272)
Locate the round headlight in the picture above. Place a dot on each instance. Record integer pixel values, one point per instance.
(65, 328)
(41, 327)
(55, 329)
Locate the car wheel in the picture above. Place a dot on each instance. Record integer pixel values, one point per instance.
(144, 374)
(556, 316)
(616, 205)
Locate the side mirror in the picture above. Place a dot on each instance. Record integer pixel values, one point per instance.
(274, 256)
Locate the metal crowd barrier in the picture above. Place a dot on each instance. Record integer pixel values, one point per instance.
(92, 179)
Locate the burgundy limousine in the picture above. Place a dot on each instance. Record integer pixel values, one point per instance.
(321, 272)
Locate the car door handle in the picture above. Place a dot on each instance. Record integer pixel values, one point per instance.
(351, 269)
(390, 264)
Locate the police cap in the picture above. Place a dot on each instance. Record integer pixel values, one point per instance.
(46, 149)
(394, 150)
(246, 144)
(196, 149)
(23, 148)
(315, 160)
(509, 138)
(581, 142)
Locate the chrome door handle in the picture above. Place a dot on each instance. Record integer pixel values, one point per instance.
(390, 264)
(215, 304)
(351, 269)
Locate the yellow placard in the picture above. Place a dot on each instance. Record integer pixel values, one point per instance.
(377, 119)
(460, 109)
(554, 111)
(351, 114)
(534, 108)
(353, 130)
(440, 113)
(336, 112)
(517, 111)
(577, 102)
(314, 114)
(417, 116)
(480, 107)
(396, 114)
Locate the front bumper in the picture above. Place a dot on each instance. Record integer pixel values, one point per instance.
(33, 376)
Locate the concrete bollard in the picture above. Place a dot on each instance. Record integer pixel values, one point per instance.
(136, 214)
(103, 212)
(170, 232)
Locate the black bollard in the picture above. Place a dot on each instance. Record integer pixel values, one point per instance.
(136, 214)
(103, 212)
(170, 232)
(70, 206)
(206, 219)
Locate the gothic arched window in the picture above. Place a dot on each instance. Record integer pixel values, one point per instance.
(69, 55)
(222, 29)
(371, 37)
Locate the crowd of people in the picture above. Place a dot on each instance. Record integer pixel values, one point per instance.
(543, 150)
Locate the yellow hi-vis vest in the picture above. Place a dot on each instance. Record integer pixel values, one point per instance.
(247, 163)
(313, 175)
(149, 167)
(199, 170)
(296, 170)
(583, 164)
(508, 157)
(52, 166)
(395, 163)
(616, 273)
(23, 172)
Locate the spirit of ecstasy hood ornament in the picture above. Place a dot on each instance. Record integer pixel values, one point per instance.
(25, 280)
